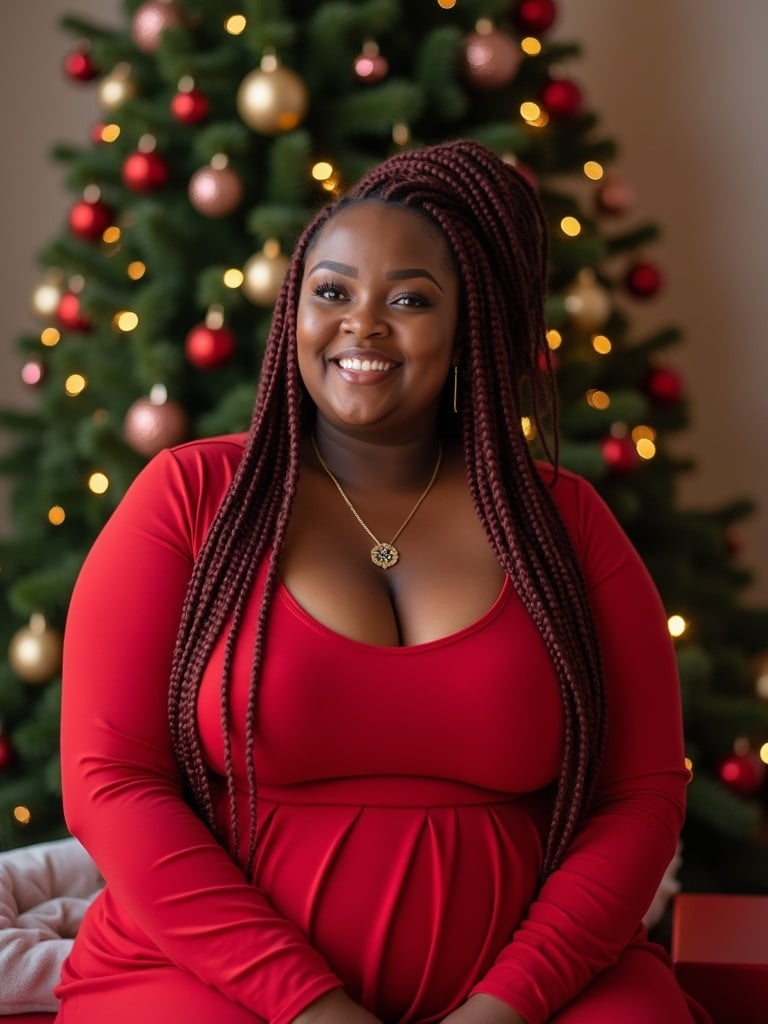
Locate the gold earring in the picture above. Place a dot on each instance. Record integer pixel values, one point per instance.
(455, 387)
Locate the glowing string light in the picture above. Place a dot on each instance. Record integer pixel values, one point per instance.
(75, 385)
(56, 515)
(676, 625)
(530, 46)
(601, 344)
(98, 483)
(235, 24)
(50, 337)
(570, 226)
(593, 170)
(233, 277)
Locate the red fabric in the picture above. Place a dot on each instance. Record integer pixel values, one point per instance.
(403, 793)
(29, 1018)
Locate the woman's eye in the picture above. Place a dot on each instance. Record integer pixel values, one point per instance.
(410, 299)
(327, 290)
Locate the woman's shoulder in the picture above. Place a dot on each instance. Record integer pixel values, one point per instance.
(598, 538)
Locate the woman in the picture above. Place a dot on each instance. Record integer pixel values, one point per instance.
(381, 783)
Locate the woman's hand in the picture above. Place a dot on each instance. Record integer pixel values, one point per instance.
(483, 1009)
(335, 1007)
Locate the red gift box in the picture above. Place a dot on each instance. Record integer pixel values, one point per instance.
(720, 954)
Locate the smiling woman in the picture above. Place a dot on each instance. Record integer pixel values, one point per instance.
(351, 785)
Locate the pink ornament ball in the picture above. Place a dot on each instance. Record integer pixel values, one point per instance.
(149, 427)
(215, 192)
(150, 21)
(615, 196)
(490, 59)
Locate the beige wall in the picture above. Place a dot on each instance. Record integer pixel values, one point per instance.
(680, 85)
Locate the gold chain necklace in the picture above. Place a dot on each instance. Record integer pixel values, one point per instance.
(382, 554)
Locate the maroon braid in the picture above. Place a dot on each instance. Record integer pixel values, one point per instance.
(495, 228)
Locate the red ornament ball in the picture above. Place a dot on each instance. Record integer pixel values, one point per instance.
(664, 386)
(208, 347)
(150, 22)
(6, 753)
(70, 314)
(619, 454)
(145, 172)
(149, 427)
(535, 16)
(643, 280)
(79, 66)
(89, 220)
(615, 196)
(190, 107)
(215, 191)
(743, 773)
(489, 60)
(562, 99)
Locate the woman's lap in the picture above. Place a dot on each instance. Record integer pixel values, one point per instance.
(639, 988)
(146, 996)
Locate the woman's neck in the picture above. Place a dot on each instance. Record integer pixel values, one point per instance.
(368, 463)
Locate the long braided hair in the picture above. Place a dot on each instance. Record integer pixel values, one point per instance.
(495, 229)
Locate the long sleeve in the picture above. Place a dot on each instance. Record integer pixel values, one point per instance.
(589, 909)
(122, 790)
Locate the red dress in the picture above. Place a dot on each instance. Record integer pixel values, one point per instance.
(404, 795)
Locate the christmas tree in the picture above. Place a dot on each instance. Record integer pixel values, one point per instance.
(221, 132)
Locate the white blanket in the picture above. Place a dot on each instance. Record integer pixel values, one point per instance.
(44, 892)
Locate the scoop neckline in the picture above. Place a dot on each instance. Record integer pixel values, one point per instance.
(442, 641)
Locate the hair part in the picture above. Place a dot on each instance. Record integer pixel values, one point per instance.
(495, 229)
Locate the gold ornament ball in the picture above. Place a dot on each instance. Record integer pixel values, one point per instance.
(117, 87)
(215, 191)
(272, 101)
(263, 275)
(47, 296)
(34, 652)
(149, 427)
(587, 303)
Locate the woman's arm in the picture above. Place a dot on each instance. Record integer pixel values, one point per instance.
(122, 790)
(589, 909)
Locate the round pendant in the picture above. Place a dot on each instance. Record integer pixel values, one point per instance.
(385, 555)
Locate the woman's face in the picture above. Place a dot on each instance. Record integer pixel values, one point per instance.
(376, 324)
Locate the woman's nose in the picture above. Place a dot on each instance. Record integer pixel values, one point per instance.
(365, 321)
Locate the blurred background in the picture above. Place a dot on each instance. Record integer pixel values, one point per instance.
(679, 86)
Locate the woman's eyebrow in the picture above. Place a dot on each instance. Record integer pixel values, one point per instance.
(393, 275)
(402, 275)
(340, 268)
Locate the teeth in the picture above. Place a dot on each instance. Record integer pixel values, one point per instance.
(364, 365)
